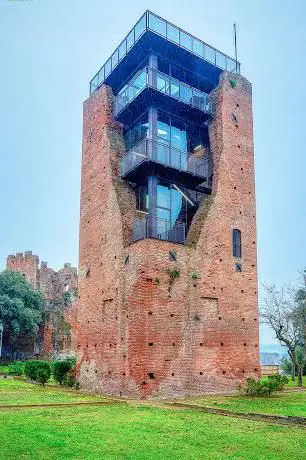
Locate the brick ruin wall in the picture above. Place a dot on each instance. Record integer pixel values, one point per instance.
(53, 284)
(138, 335)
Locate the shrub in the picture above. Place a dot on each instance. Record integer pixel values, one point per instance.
(70, 378)
(16, 368)
(264, 387)
(277, 382)
(43, 374)
(31, 369)
(61, 369)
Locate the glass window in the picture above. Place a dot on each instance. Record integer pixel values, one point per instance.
(137, 133)
(162, 83)
(130, 40)
(163, 139)
(198, 47)
(177, 72)
(163, 152)
(176, 205)
(122, 50)
(199, 100)
(178, 136)
(114, 59)
(236, 243)
(142, 199)
(157, 24)
(178, 145)
(185, 93)
(220, 60)
(140, 82)
(163, 131)
(140, 27)
(197, 139)
(173, 34)
(163, 196)
(175, 88)
(163, 65)
(108, 68)
(210, 54)
(185, 40)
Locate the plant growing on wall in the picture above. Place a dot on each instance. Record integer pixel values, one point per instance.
(173, 273)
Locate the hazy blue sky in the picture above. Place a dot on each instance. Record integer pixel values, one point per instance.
(50, 49)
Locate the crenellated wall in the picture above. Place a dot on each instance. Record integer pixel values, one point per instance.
(138, 334)
(53, 284)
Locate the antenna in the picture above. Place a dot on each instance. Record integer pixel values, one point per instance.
(235, 44)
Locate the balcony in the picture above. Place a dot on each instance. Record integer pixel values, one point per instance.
(155, 157)
(151, 226)
(148, 78)
(152, 33)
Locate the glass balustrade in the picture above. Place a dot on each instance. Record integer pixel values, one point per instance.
(150, 226)
(152, 22)
(159, 152)
(148, 77)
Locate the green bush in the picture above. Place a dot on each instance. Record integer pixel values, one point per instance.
(264, 387)
(277, 382)
(16, 368)
(32, 369)
(70, 378)
(61, 369)
(43, 374)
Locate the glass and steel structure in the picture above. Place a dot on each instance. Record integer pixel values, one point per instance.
(150, 22)
(162, 77)
(150, 78)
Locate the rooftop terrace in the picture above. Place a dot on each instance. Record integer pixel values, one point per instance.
(153, 31)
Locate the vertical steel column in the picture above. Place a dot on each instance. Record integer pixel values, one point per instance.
(152, 180)
(152, 216)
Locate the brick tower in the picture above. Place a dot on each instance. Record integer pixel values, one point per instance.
(167, 278)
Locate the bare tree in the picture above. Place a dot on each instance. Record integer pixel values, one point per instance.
(279, 313)
(299, 318)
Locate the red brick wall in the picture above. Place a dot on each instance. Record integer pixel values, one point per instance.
(134, 336)
(27, 264)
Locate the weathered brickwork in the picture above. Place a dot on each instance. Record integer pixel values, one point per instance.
(138, 333)
(55, 336)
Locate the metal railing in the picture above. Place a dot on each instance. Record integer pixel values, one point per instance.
(154, 23)
(151, 226)
(162, 153)
(163, 83)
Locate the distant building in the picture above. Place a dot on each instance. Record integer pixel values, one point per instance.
(59, 289)
(269, 369)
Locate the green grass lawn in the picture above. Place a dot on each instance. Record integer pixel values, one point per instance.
(281, 404)
(148, 433)
(294, 384)
(20, 392)
(133, 432)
